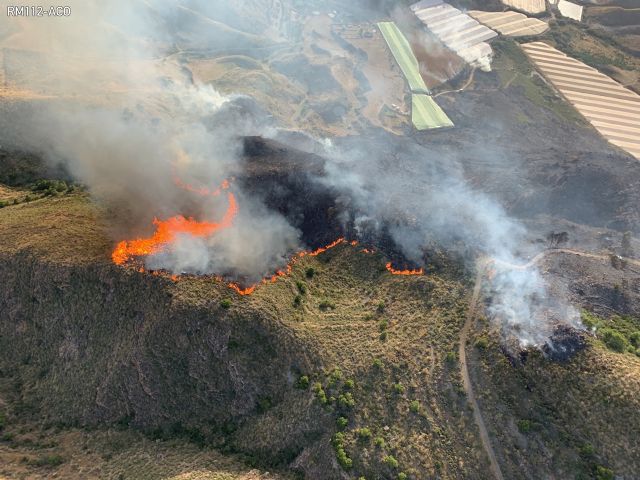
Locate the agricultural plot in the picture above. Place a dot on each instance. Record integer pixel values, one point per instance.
(426, 114)
(458, 31)
(403, 54)
(612, 109)
(570, 10)
(510, 24)
(529, 6)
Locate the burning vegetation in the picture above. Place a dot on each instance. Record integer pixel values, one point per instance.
(168, 232)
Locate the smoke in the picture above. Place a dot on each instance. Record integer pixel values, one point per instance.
(420, 197)
(128, 121)
(123, 113)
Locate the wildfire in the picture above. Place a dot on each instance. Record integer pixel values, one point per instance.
(282, 273)
(418, 271)
(167, 231)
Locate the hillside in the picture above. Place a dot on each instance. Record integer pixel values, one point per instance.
(392, 345)
(338, 370)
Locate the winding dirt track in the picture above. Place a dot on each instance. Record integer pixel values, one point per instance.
(466, 379)
(469, 322)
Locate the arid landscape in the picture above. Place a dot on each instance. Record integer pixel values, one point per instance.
(227, 251)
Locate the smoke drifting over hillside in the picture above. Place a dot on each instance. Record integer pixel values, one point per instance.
(421, 197)
(134, 128)
(127, 122)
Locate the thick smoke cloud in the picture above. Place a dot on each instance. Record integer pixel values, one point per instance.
(127, 119)
(420, 197)
(131, 124)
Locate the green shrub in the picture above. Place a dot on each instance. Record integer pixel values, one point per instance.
(590, 320)
(364, 433)
(587, 450)
(390, 461)
(310, 272)
(326, 305)
(634, 338)
(482, 343)
(297, 300)
(377, 363)
(398, 388)
(381, 307)
(402, 476)
(383, 336)
(451, 357)
(342, 422)
(3, 421)
(303, 382)
(613, 339)
(383, 324)
(264, 404)
(342, 457)
(225, 303)
(336, 375)
(379, 442)
(414, 406)
(302, 288)
(346, 400)
(49, 461)
(603, 473)
(320, 393)
(349, 384)
(524, 426)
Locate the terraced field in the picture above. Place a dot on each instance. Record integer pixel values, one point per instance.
(612, 109)
(458, 31)
(510, 24)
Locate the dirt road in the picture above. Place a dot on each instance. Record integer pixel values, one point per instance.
(466, 379)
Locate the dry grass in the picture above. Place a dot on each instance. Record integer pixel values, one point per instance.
(65, 229)
(113, 454)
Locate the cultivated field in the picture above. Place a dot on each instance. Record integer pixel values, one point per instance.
(611, 108)
(510, 24)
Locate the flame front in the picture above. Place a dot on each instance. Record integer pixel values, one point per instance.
(281, 273)
(418, 271)
(167, 231)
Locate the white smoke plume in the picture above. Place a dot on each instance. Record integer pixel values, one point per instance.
(126, 118)
(421, 197)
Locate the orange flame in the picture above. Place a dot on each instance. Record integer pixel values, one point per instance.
(393, 271)
(167, 230)
(282, 273)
